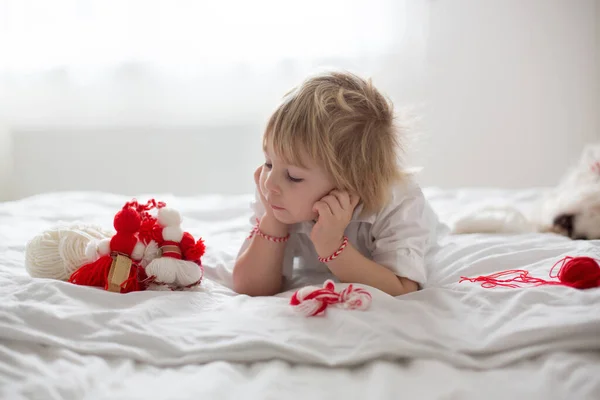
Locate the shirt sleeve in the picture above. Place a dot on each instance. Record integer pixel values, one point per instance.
(258, 210)
(401, 236)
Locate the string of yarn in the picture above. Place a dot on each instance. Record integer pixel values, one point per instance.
(312, 301)
(575, 272)
(56, 253)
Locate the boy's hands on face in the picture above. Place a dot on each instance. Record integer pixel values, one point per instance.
(335, 212)
(268, 223)
(263, 200)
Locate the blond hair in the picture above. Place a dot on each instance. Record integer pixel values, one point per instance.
(346, 126)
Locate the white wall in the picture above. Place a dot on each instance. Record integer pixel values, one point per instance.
(514, 90)
(510, 96)
(184, 161)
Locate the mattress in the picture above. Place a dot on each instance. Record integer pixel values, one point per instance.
(450, 340)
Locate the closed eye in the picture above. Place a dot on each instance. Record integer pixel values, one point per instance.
(296, 180)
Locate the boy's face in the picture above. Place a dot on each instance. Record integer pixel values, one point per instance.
(291, 191)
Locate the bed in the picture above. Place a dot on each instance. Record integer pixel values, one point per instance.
(450, 340)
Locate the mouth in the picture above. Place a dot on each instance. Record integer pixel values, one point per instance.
(274, 207)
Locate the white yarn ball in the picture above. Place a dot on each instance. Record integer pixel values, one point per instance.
(173, 233)
(188, 272)
(56, 253)
(168, 217)
(173, 271)
(104, 247)
(91, 250)
(97, 248)
(163, 269)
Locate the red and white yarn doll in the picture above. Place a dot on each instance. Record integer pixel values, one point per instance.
(178, 267)
(116, 265)
(311, 301)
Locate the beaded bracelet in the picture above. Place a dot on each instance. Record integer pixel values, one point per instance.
(336, 253)
(277, 239)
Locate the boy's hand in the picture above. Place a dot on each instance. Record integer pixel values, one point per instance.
(268, 223)
(263, 200)
(335, 212)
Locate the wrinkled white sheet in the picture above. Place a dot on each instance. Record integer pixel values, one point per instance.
(150, 337)
(33, 371)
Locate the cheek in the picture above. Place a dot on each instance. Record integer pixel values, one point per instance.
(304, 201)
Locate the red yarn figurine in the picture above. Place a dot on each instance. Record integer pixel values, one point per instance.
(121, 263)
(575, 272)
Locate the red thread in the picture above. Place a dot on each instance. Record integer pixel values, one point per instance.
(575, 272)
(148, 228)
(312, 301)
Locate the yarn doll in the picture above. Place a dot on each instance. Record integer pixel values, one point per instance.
(117, 267)
(178, 266)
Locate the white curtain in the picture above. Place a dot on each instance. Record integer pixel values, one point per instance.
(183, 62)
(6, 163)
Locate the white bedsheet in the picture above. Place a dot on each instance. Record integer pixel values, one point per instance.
(217, 342)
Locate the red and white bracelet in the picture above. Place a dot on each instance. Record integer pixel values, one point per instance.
(258, 232)
(336, 253)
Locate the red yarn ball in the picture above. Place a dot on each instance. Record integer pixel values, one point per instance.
(580, 273)
(150, 230)
(192, 250)
(127, 220)
(123, 243)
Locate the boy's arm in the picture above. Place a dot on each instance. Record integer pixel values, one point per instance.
(351, 266)
(335, 211)
(258, 270)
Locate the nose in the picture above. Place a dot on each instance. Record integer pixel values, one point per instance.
(565, 222)
(271, 184)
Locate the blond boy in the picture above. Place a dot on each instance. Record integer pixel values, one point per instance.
(333, 194)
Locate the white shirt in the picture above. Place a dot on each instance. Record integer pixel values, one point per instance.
(399, 237)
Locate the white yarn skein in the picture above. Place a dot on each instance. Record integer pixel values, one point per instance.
(162, 269)
(56, 253)
(187, 272)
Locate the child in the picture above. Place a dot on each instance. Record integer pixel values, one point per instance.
(332, 193)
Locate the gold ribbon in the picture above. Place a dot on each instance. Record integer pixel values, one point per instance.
(119, 272)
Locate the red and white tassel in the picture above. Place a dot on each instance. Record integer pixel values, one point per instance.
(311, 301)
